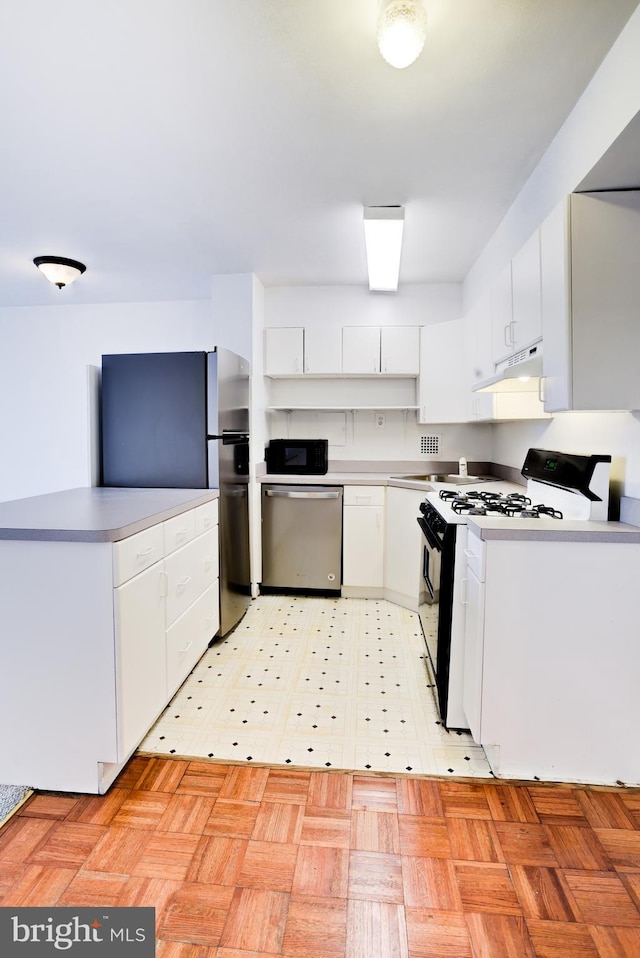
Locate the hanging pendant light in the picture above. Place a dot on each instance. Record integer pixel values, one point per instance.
(402, 28)
(59, 270)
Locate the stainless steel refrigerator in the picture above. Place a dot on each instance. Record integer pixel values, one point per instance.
(181, 420)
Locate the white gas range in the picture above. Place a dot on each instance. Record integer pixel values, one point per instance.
(560, 487)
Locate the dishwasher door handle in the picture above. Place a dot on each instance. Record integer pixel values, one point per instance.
(286, 494)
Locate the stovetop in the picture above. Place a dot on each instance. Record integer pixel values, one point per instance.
(513, 505)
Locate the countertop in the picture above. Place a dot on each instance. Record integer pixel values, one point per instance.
(553, 530)
(375, 479)
(103, 514)
(329, 479)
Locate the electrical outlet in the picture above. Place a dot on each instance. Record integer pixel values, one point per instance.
(380, 420)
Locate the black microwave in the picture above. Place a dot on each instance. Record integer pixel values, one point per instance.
(298, 457)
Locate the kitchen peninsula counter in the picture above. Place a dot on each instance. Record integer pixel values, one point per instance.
(109, 597)
(104, 514)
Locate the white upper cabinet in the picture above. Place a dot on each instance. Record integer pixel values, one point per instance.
(502, 315)
(556, 319)
(284, 351)
(526, 327)
(516, 310)
(342, 351)
(322, 350)
(478, 358)
(590, 296)
(480, 366)
(400, 350)
(360, 350)
(391, 350)
(444, 394)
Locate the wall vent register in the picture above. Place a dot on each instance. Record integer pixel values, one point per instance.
(429, 445)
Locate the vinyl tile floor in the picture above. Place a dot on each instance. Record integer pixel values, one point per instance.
(321, 683)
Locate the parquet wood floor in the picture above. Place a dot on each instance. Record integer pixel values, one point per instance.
(255, 862)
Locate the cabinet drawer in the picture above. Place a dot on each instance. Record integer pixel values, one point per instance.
(476, 555)
(137, 553)
(190, 571)
(363, 495)
(179, 530)
(189, 636)
(206, 516)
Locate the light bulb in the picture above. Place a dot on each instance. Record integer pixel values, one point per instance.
(402, 28)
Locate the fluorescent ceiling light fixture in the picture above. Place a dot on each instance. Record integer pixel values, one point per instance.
(383, 239)
(59, 270)
(402, 29)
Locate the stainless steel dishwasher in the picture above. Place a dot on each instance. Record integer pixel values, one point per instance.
(302, 538)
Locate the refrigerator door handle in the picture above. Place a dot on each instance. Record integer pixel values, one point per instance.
(231, 438)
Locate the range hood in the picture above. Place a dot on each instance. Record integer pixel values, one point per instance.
(518, 373)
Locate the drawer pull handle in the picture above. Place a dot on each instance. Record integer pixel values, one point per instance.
(145, 552)
(186, 648)
(181, 533)
(182, 583)
(470, 555)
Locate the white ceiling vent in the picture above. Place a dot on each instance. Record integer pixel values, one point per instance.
(429, 445)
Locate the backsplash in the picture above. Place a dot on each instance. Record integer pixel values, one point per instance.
(353, 434)
(610, 433)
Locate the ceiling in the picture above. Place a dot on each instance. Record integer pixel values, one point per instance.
(163, 141)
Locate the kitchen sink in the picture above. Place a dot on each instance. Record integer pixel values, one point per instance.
(449, 477)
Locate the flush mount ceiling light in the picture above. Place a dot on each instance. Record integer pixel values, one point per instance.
(60, 270)
(402, 28)
(383, 240)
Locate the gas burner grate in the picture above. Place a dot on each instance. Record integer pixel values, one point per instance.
(548, 511)
(513, 505)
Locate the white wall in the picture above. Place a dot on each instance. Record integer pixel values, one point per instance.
(609, 103)
(47, 436)
(413, 305)
(232, 312)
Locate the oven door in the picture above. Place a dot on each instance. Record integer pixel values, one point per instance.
(430, 590)
(437, 562)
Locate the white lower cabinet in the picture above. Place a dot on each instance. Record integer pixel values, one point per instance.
(473, 638)
(189, 571)
(551, 663)
(403, 547)
(189, 636)
(96, 638)
(164, 619)
(363, 541)
(141, 668)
